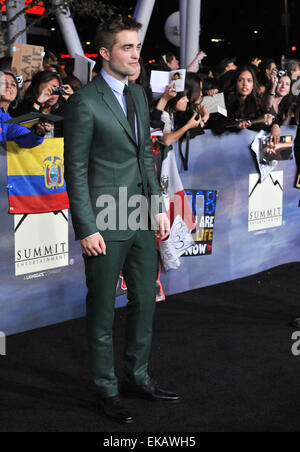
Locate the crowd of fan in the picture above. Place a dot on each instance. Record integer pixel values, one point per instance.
(38, 94)
(257, 96)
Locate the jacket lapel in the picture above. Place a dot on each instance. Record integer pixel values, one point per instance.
(111, 101)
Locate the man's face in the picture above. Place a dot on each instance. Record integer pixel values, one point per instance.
(133, 78)
(123, 59)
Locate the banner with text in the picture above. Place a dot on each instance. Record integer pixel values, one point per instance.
(243, 227)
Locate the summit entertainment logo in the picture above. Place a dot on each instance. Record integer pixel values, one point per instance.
(265, 201)
(41, 242)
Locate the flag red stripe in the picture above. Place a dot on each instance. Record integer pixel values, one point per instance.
(38, 203)
(179, 205)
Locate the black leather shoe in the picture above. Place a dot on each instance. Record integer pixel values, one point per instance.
(296, 323)
(114, 409)
(149, 390)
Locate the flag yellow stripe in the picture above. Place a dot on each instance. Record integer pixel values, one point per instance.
(30, 162)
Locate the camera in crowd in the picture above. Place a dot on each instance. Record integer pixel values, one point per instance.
(282, 73)
(59, 90)
(20, 81)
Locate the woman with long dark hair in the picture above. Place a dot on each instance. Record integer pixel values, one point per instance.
(280, 102)
(42, 96)
(194, 92)
(178, 103)
(245, 103)
(246, 106)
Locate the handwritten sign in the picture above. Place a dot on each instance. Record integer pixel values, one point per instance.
(176, 245)
(27, 60)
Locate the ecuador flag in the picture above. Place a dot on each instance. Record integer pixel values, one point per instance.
(35, 178)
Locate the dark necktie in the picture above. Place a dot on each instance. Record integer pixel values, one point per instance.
(130, 109)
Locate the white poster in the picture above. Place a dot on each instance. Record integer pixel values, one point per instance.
(41, 242)
(265, 201)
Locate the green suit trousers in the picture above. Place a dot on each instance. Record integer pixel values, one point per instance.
(137, 259)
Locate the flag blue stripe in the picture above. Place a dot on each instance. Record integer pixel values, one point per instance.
(30, 185)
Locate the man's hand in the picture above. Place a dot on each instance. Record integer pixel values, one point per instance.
(255, 62)
(244, 124)
(42, 128)
(268, 119)
(93, 245)
(201, 55)
(164, 227)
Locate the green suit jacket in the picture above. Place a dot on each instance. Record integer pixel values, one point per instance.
(102, 155)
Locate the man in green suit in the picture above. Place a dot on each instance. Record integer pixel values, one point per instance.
(108, 165)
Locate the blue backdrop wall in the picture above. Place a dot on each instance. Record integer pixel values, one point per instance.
(40, 286)
(225, 163)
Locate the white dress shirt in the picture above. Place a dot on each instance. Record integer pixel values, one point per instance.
(117, 88)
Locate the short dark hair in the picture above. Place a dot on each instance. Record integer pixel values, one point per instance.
(105, 35)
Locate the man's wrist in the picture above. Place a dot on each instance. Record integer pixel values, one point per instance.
(95, 233)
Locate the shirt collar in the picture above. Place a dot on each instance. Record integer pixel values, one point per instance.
(114, 84)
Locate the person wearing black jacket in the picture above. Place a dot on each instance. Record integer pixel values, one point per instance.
(246, 106)
(280, 101)
(41, 96)
(194, 91)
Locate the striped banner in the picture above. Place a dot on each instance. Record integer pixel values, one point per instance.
(35, 178)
